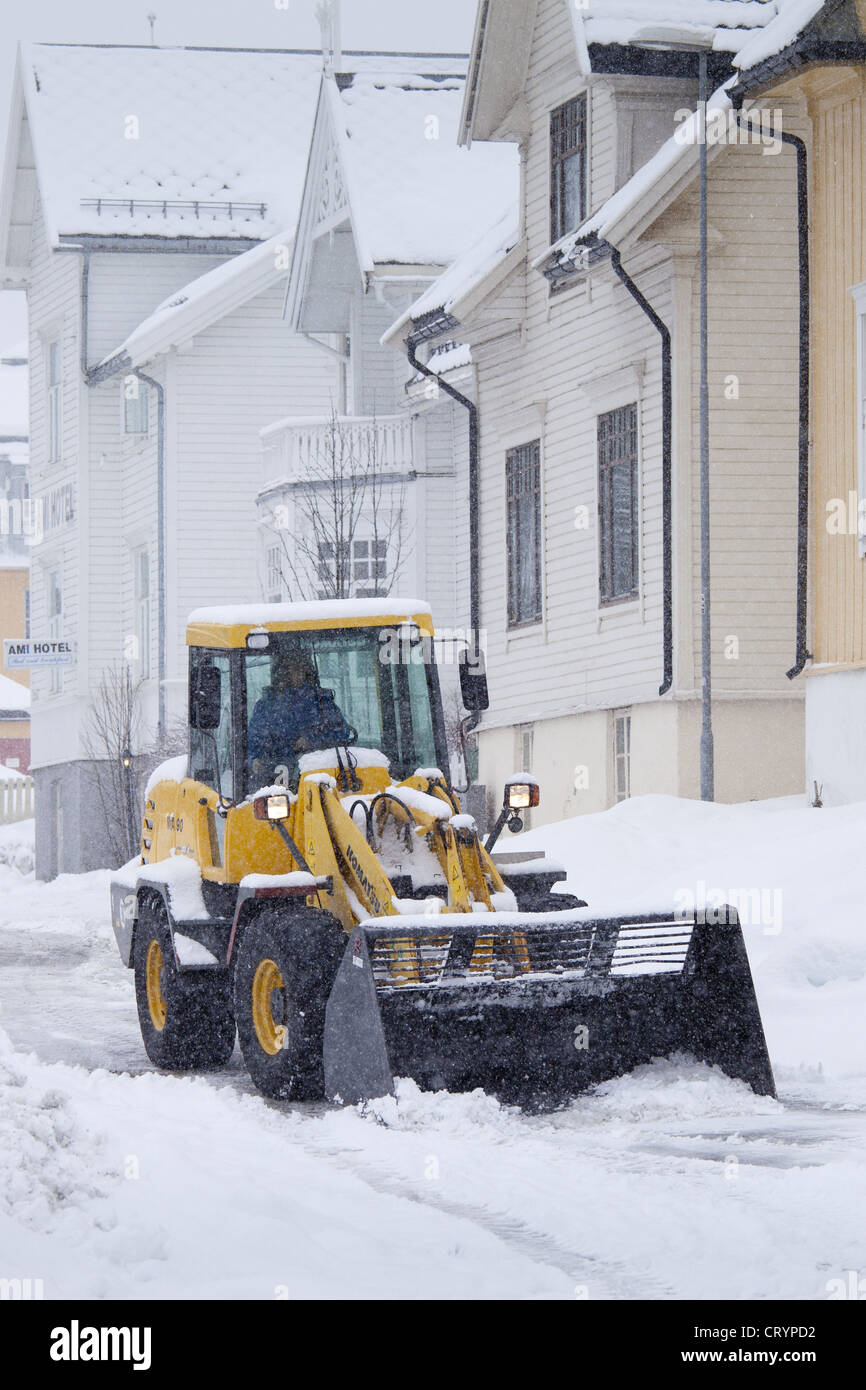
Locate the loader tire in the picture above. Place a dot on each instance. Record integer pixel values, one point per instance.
(285, 969)
(186, 1017)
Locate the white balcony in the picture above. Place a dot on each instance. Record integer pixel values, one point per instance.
(306, 449)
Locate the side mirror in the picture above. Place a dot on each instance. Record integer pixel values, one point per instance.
(206, 702)
(473, 680)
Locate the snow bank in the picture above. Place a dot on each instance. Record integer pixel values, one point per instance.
(789, 868)
(18, 846)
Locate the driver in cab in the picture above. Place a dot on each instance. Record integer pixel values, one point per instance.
(294, 715)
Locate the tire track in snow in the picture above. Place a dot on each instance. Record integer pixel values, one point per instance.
(601, 1278)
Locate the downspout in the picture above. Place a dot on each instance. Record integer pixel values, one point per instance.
(160, 542)
(667, 452)
(474, 585)
(803, 653)
(474, 719)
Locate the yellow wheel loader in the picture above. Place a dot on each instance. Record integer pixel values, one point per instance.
(308, 878)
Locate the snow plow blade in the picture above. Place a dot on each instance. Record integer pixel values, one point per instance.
(536, 1009)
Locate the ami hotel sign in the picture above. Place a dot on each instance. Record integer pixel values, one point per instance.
(21, 653)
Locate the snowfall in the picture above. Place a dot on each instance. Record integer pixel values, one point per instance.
(673, 1182)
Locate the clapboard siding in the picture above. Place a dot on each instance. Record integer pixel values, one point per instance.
(125, 288)
(590, 348)
(53, 311)
(753, 337)
(245, 372)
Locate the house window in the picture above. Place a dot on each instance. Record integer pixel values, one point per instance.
(523, 758)
(55, 626)
(357, 568)
(618, 504)
(135, 406)
(568, 151)
(369, 567)
(275, 574)
(523, 540)
(622, 754)
(142, 610)
(55, 402)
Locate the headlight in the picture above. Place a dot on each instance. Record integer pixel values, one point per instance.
(519, 796)
(271, 807)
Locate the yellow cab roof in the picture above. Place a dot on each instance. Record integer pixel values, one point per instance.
(230, 625)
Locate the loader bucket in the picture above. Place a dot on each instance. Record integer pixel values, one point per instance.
(537, 1009)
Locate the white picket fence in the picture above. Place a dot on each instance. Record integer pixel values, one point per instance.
(16, 799)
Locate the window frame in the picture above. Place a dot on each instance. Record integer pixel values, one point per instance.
(559, 157)
(621, 718)
(859, 293)
(606, 528)
(142, 597)
(54, 398)
(514, 618)
(54, 622)
(141, 400)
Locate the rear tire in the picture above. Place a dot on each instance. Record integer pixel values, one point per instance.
(186, 1017)
(285, 969)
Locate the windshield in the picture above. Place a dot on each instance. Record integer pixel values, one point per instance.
(359, 687)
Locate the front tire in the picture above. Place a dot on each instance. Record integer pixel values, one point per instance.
(186, 1017)
(286, 965)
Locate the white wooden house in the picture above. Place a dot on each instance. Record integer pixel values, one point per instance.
(593, 643)
(149, 205)
(390, 200)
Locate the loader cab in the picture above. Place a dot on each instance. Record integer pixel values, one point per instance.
(255, 710)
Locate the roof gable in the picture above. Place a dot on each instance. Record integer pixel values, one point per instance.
(197, 144)
(388, 185)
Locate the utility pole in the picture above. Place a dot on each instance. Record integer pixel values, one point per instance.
(707, 750)
(151, 19)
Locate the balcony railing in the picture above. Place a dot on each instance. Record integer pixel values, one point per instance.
(309, 449)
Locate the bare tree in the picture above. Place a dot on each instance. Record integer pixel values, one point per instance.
(347, 497)
(110, 734)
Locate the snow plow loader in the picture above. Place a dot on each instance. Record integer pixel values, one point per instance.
(308, 880)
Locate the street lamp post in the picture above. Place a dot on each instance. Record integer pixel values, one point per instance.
(707, 750)
(670, 39)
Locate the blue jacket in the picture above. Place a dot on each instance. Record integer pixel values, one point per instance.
(279, 719)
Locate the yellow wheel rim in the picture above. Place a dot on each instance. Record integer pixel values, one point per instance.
(272, 1036)
(153, 973)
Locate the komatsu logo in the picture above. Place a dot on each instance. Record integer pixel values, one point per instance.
(352, 859)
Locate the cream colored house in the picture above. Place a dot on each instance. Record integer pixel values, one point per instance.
(818, 61)
(589, 558)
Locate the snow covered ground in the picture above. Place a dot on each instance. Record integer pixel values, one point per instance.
(674, 1182)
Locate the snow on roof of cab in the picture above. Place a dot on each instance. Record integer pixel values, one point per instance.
(416, 196)
(220, 134)
(321, 611)
(622, 21)
(467, 271)
(785, 29)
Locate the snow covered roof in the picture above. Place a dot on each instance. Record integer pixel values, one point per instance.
(13, 696)
(173, 142)
(727, 22)
(503, 35)
(481, 259)
(786, 28)
(415, 196)
(204, 301)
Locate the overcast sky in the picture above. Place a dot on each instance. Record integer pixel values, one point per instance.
(426, 25)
